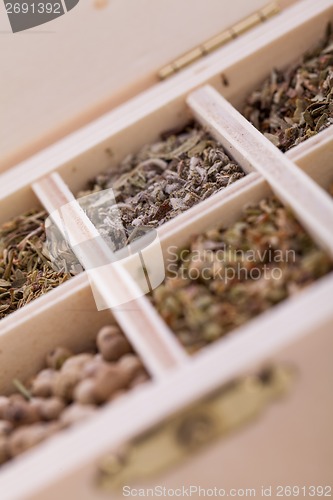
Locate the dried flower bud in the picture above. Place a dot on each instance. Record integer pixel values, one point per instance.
(76, 362)
(26, 437)
(112, 344)
(20, 411)
(5, 428)
(91, 367)
(65, 383)
(85, 392)
(50, 408)
(131, 367)
(108, 380)
(42, 384)
(56, 358)
(4, 402)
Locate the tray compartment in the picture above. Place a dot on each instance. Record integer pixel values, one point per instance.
(29, 235)
(24, 342)
(311, 205)
(224, 215)
(77, 331)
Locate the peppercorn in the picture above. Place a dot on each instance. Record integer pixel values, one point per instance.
(42, 384)
(108, 380)
(20, 411)
(85, 392)
(112, 344)
(5, 428)
(26, 437)
(56, 358)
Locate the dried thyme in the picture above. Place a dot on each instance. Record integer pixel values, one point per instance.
(161, 181)
(69, 389)
(296, 103)
(25, 270)
(228, 276)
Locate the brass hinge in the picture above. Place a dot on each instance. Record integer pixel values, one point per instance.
(189, 431)
(219, 40)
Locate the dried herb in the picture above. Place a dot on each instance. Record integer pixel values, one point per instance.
(228, 276)
(296, 103)
(69, 389)
(161, 181)
(25, 270)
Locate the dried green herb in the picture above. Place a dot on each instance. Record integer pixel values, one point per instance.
(296, 103)
(161, 181)
(69, 389)
(228, 276)
(25, 270)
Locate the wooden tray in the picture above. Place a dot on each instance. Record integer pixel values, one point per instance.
(293, 435)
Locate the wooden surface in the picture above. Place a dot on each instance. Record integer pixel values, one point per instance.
(59, 76)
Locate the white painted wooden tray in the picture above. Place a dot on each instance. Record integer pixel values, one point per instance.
(291, 442)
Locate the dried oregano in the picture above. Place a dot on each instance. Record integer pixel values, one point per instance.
(68, 389)
(161, 181)
(296, 103)
(25, 269)
(228, 276)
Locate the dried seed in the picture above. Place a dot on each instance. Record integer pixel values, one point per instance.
(85, 392)
(26, 437)
(48, 409)
(5, 428)
(108, 380)
(112, 344)
(56, 358)
(69, 390)
(4, 403)
(20, 412)
(131, 367)
(65, 383)
(42, 385)
(76, 362)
